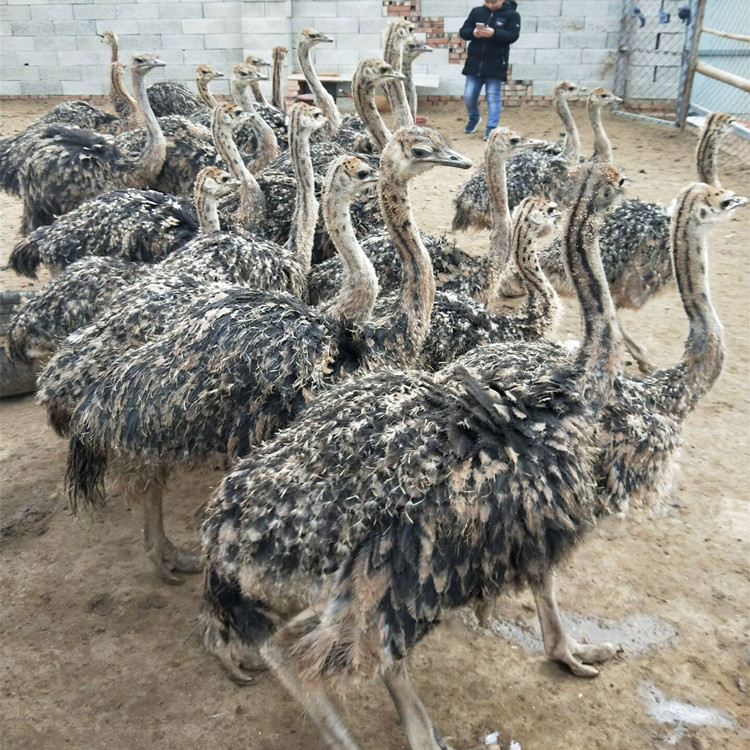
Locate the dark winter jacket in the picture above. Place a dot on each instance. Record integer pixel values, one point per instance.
(488, 58)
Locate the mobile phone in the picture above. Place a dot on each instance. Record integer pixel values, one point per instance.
(480, 25)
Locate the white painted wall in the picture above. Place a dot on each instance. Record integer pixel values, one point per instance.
(50, 47)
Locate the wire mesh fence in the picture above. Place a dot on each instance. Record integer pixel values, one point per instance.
(731, 55)
(654, 35)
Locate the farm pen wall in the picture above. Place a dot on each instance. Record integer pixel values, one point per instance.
(51, 48)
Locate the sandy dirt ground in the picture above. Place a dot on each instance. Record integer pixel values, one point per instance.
(97, 653)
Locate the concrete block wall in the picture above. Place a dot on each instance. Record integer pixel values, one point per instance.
(50, 47)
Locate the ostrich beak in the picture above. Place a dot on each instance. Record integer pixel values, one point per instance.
(447, 157)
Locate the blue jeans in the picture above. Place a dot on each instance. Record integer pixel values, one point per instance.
(493, 91)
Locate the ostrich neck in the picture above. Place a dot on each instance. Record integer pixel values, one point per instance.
(206, 96)
(542, 306)
(363, 96)
(707, 157)
(393, 54)
(146, 166)
(268, 146)
(251, 211)
(323, 99)
(602, 146)
(703, 358)
(302, 234)
(359, 289)
(206, 207)
(410, 87)
(599, 356)
(572, 148)
(500, 233)
(118, 93)
(415, 300)
(257, 93)
(114, 51)
(241, 95)
(278, 96)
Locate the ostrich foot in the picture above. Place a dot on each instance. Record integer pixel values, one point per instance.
(167, 559)
(579, 656)
(638, 352)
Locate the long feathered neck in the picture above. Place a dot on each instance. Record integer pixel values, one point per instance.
(359, 289)
(206, 206)
(393, 54)
(278, 93)
(682, 386)
(363, 95)
(258, 93)
(118, 93)
(252, 208)
(602, 145)
(323, 99)
(241, 94)
(147, 165)
(601, 349)
(572, 147)
(268, 146)
(410, 88)
(302, 235)
(495, 160)
(541, 309)
(417, 295)
(204, 93)
(707, 153)
(114, 48)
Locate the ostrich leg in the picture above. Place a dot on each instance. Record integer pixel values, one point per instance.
(162, 553)
(419, 730)
(638, 352)
(316, 703)
(557, 643)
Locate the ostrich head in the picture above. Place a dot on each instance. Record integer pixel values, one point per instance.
(309, 118)
(143, 62)
(109, 37)
(414, 150)
(708, 204)
(310, 37)
(568, 89)
(600, 97)
(207, 73)
(245, 73)
(414, 48)
(351, 176)
(542, 215)
(257, 61)
(373, 70)
(506, 141)
(215, 182)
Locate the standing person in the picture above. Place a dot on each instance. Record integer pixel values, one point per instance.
(490, 29)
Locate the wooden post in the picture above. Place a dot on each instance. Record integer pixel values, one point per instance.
(687, 93)
(723, 76)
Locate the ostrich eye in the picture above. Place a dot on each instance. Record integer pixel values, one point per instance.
(421, 152)
(728, 203)
(363, 174)
(515, 141)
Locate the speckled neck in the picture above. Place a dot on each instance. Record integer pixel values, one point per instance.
(252, 206)
(278, 92)
(707, 152)
(204, 93)
(495, 160)
(206, 206)
(417, 294)
(704, 354)
(118, 93)
(393, 54)
(602, 145)
(359, 289)
(323, 99)
(410, 88)
(258, 93)
(541, 310)
(241, 95)
(144, 170)
(599, 357)
(572, 148)
(306, 207)
(363, 96)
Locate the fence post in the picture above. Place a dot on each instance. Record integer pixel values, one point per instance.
(687, 90)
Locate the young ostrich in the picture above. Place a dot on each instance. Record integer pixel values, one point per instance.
(336, 547)
(138, 225)
(72, 165)
(275, 117)
(121, 105)
(78, 296)
(204, 75)
(91, 285)
(256, 358)
(639, 428)
(16, 149)
(528, 172)
(398, 32)
(715, 126)
(173, 98)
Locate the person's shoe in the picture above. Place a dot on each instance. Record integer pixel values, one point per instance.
(471, 126)
(487, 133)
